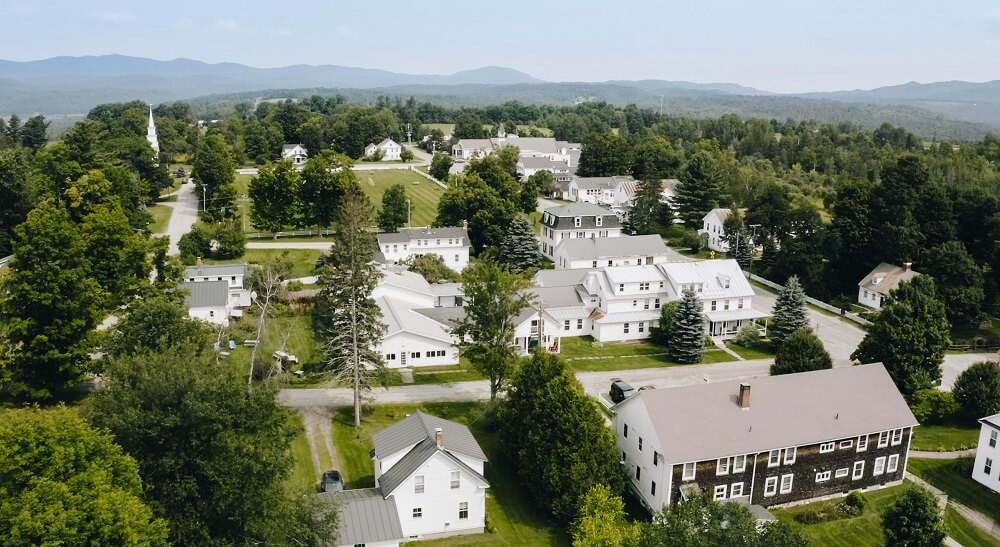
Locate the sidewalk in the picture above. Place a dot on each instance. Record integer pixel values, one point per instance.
(954, 454)
(977, 519)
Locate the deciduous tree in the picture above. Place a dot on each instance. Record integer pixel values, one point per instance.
(469, 198)
(395, 210)
(802, 351)
(959, 282)
(605, 155)
(273, 192)
(440, 165)
(701, 522)
(601, 521)
(977, 389)
(214, 172)
(433, 268)
(325, 178)
(914, 520)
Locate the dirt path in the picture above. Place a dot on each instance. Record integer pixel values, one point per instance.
(977, 519)
(970, 453)
(318, 424)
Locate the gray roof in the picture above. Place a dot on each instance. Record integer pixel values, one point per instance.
(892, 276)
(562, 217)
(447, 316)
(993, 420)
(365, 516)
(608, 247)
(213, 270)
(413, 460)
(540, 162)
(557, 297)
(447, 289)
(704, 422)
(560, 278)
(586, 183)
(204, 294)
(405, 235)
(419, 426)
(400, 318)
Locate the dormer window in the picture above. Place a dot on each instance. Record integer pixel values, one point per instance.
(577, 222)
(600, 221)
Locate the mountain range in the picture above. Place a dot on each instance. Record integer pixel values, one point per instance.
(73, 85)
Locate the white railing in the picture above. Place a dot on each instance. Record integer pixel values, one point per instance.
(818, 303)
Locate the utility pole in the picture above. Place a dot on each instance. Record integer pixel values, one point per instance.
(753, 248)
(408, 133)
(408, 209)
(204, 199)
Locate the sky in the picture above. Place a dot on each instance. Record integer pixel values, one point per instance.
(778, 45)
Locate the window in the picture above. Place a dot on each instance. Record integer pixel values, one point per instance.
(594, 264)
(456, 480)
(638, 472)
(390, 356)
(652, 488)
(722, 466)
(656, 456)
(581, 235)
(774, 458)
(988, 466)
(739, 463)
(879, 466)
(415, 355)
(714, 304)
(635, 303)
(566, 324)
(599, 220)
(643, 286)
(842, 472)
(621, 286)
(579, 324)
(789, 455)
(725, 305)
(897, 436)
(862, 443)
(463, 510)
(576, 222)
(883, 439)
(736, 490)
(847, 444)
(642, 326)
(826, 447)
(859, 470)
(625, 434)
(640, 444)
(892, 464)
(786, 483)
(823, 476)
(418, 512)
(739, 304)
(771, 486)
(626, 328)
(656, 305)
(418, 484)
(720, 492)
(688, 471)
(993, 439)
(645, 304)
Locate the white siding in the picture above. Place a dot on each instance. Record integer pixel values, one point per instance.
(991, 480)
(412, 345)
(634, 414)
(439, 503)
(217, 315)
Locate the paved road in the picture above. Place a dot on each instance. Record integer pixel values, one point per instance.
(840, 337)
(184, 216)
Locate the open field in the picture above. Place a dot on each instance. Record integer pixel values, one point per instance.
(424, 194)
(953, 478)
(303, 260)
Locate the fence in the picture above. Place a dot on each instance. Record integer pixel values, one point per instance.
(291, 233)
(818, 303)
(429, 177)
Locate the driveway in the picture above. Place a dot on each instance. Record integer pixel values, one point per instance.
(184, 216)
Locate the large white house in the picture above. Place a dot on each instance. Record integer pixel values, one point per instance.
(576, 221)
(450, 243)
(616, 193)
(548, 147)
(416, 315)
(713, 228)
(885, 278)
(389, 148)
(626, 250)
(216, 292)
(429, 483)
(296, 153)
(986, 470)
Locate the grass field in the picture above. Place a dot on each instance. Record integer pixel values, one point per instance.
(294, 332)
(945, 437)
(861, 531)
(303, 260)
(759, 352)
(583, 356)
(953, 478)
(965, 533)
(424, 194)
(161, 216)
(510, 510)
(445, 128)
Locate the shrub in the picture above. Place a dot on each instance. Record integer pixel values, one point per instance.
(692, 240)
(194, 244)
(231, 241)
(748, 336)
(933, 406)
(294, 286)
(857, 500)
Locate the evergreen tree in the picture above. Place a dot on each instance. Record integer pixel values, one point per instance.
(744, 250)
(519, 248)
(649, 210)
(801, 351)
(347, 319)
(33, 135)
(789, 313)
(699, 190)
(273, 192)
(686, 339)
(14, 129)
(914, 520)
(909, 336)
(395, 210)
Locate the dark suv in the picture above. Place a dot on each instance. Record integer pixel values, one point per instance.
(331, 482)
(620, 390)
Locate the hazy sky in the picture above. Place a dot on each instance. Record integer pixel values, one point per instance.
(779, 45)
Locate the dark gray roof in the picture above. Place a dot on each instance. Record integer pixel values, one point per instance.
(408, 464)
(203, 294)
(993, 420)
(213, 270)
(601, 183)
(419, 426)
(405, 235)
(562, 217)
(365, 516)
(447, 316)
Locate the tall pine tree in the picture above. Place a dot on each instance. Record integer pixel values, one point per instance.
(519, 248)
(650, 212)
(789, 312)
(686, 339)
(699, 190)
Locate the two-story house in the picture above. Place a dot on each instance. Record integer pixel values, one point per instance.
(216, 292)
(620, 251)
(576, 221)
(714, 230)
(616, 193)
(450, 243)
(296, 153)
(776, 440)
(882, 280)
(725, 294)
(389, 149)
(986, 470)
(416, 313)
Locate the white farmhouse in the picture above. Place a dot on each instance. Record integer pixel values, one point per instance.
(576, 221)
(986, 470)
(885, 278)
(450, 243)
(417, 334)
(204, 302)
(614, 192)
(296, 153)
(725, 294)
(208, 301)
(468, 149)
(712, 227)
(603, 251)
(389, 148)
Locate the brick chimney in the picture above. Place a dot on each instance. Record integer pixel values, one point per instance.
(744, 397)
(465, 224)
(439, 437)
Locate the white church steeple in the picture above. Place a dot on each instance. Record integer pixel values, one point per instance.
(151, 134)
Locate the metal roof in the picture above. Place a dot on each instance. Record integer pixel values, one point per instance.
(213, 270)
(563, 217)
(559, 278)
(612, 247)
(634, 274)
(712, 274)
(406, 235)
(419, 426)
(993, 420)
(411, 462)
(206, 294)
(704, 422)
(557, 297)
(400, 318)
(365, 516)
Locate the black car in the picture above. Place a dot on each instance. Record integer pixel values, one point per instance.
(331, 482)
(620, 390)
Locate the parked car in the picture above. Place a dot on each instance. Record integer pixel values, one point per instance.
(331, 482)
(620, 390)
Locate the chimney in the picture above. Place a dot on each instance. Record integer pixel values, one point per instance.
(199, 261)
(465, 224)
(439, 437)
(906, 266)
(744, 397)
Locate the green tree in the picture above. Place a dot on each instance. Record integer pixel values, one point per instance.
(801, 351)
(347, 320)
(544, 181)
(789, 314)
(440, 165)
(601, 521)
(519, 248)
(121, 269)
(469, 198)
(686, 339)
(699, 190)
(914, 520)
(486, 331)
(433, 268)
(50, 303)
(977, 389)
(406, 155)
(273, 192)
(468, 125)
(655, 159)
(557, 436)
(661, 332)
(195, 244)
(63, 483)
(33, 135)
(16, 193)
(154, 324)
(892, 212)
(910, 336)
(230, 241)
(650, 212)
(14, 129)
(395, 210)
(605, 155)
(701, 522)
(214, 172)
(959, 282)
(325, 178)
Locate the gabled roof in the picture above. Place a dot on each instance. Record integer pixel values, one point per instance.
(406, 235)
(889, 277)
(712, 274)
(288, 148)
(723, 213)
(473, 144)
(704, 421)
(540, 162)
(206, 294)
(557, 297)
(215, 270)
(399, 319)
(365, 516)
(562, 217)
(634, 274)
(560, 278)
(419, 426)
(602, 183)
(544, 145)
(411, 462)
(993, 420)
(612, 247)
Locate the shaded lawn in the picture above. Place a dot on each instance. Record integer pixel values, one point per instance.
(863, 530)
(424, 194)
(949, 476)
(161, 216)
(510, 511)
(965, 532)
(951, 435)
(303, 260)
(300, 342)
(759, 352)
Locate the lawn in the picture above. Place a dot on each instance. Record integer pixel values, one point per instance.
(303, 260)
(300, 341)
(859, 531)
(424, 194)
(242, 184)
(511, 512)
(965, 532)
(953, 477)
(759, 352)
(583, 356)
(945, 437)
(303, 478)
(161, 216)
(445, 128)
